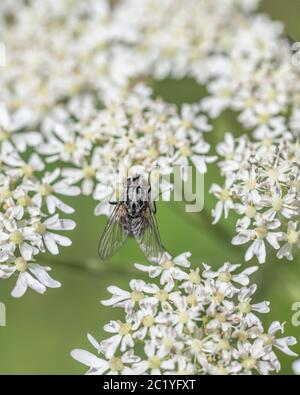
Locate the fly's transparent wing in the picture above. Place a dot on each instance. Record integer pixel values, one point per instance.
(146, 233)
(113, 236)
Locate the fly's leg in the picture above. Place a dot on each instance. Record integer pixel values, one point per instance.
(113, 203)
(152, 202)
(154, 207)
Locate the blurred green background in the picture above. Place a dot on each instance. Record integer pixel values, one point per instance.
(42, 330)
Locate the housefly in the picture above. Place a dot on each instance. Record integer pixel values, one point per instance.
(133, 216)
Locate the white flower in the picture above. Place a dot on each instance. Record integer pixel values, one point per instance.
(10, 127)
(116, 365)
(128, 300)
(18, 237)
(225, 203)
(292, 239)
(296, 366)
(263, 231)
(122, 338)
(169, 269)
(281, 343)
(204, 326)
(50, 239)
(262, 187)
(46, 190)
(30, 275)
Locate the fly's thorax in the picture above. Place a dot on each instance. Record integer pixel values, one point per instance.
(135, 195)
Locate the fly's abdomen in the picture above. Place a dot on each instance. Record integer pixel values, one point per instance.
(138, 226)
(126, 225)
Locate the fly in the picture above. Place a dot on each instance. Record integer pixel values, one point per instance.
(133, 216)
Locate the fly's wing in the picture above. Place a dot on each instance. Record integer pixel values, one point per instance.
(114, 235)
(146, 233)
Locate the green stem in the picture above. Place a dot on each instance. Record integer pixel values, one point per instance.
(91, 270)
(206, 218)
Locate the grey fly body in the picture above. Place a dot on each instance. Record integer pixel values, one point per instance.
(133, 216)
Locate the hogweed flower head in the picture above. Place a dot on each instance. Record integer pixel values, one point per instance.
(262, 181)
(188, 321)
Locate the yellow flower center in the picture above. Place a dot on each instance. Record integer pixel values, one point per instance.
(224, 195)
(183, 317)
(273, 174)
(149, 129)
(45, 189)
(27, 170)
(6, 194)
(3, 134)
(243, 336)
(277, 204)
(226, 92)
(24, 201)
(154, 362)
(186, 123)
(249, 363)
(191, 299)
(89, 136)
(261, 232)
(162, 295)
(16, 237)
(115, 364)
(224, 277)
(88, 172)
(21, 264)
(251, 184)
(196, 345)
(266, 142)
(171, 140)
(39, 228)
(293, 236)
(167, 342)
(167, 265)
(264, 118)
(244, 307)
(70, 147)
(154, 152)
(218, 297)
(185, 151)
(148, 321)
(250, 212)
(221, 371)
(220, 317)
(224, 344)
(267, 339)
(137, 296)
(249, 103)
(125, 328)
(194, 276)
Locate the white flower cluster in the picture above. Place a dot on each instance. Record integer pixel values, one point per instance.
(98, 46)
(56, 50)
(262, 185)
(133, 131)
(242, 58)
(256, 78)
(89, 143)
(190, 322)
(29, 218)
(180, 38)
